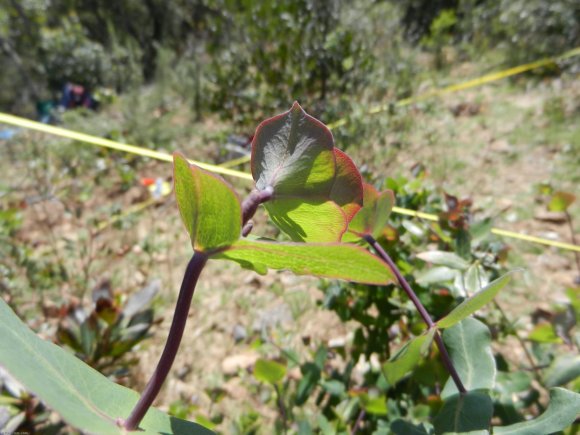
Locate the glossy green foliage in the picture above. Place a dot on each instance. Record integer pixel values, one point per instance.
(407, 357)
(469, 343)
(82, 396)
(465, 413)
(338, 261)
(563, 409)
(372, 218)
(475, 302)
(317, 188)
(209, 208)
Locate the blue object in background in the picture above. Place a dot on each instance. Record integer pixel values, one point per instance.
(8, 133)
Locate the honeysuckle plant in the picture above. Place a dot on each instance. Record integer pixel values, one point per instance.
(315, 195)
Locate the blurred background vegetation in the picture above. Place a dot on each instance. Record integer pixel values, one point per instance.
(198, 76)
(244, 59)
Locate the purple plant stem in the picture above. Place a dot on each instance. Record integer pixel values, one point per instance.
(254, 199)
(422, 311)
(194, 268)
(190, 278)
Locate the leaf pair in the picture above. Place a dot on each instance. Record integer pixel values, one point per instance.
(318, 191)
(211, 213)
(411, 353)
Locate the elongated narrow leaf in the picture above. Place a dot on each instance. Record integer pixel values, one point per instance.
(470, 412)
(268, 371)
(347, 189)
(209, 208)
(311, 374)
(469, 343)
(83, 397)
(563, 409)
(475, 302)
(373, 217)
(332, 260)
(407, 357)
(442, 258)
(293, 153)
(318, 221)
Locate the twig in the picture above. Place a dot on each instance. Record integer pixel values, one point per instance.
(281, 407)
(358, 421)
(533, 366)
(422, 311)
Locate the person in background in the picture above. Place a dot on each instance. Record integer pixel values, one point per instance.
(75, 96)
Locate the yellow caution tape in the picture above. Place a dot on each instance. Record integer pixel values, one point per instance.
(94, 140)
(442, 91)
(236, 162)
(224, 169)
(497, 231)
(466, 85)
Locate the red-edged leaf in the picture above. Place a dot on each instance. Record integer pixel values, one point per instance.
(293, 153)
(373, 217)
(347, 190)
(209, 208)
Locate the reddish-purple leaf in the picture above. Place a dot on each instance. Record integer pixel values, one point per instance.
(347, 190)
(373, 217)
(293, 153)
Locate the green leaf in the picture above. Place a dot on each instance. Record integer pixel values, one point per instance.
(560, 201)
(310, 377)
(464, 413)
(308, 221)
(563, 409)
(407, 357)
(402, 427)
(475, 278)
(209, 208)
(442, 258)
(270, 372)
(435, 275)
(333, 387)
(469, 344)
(332, 260)
(374, 405)
(475, 302)
(544, 333)
(317, 188)
(84, 398)
(564, 369)
(347, 190)
(373, 217)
